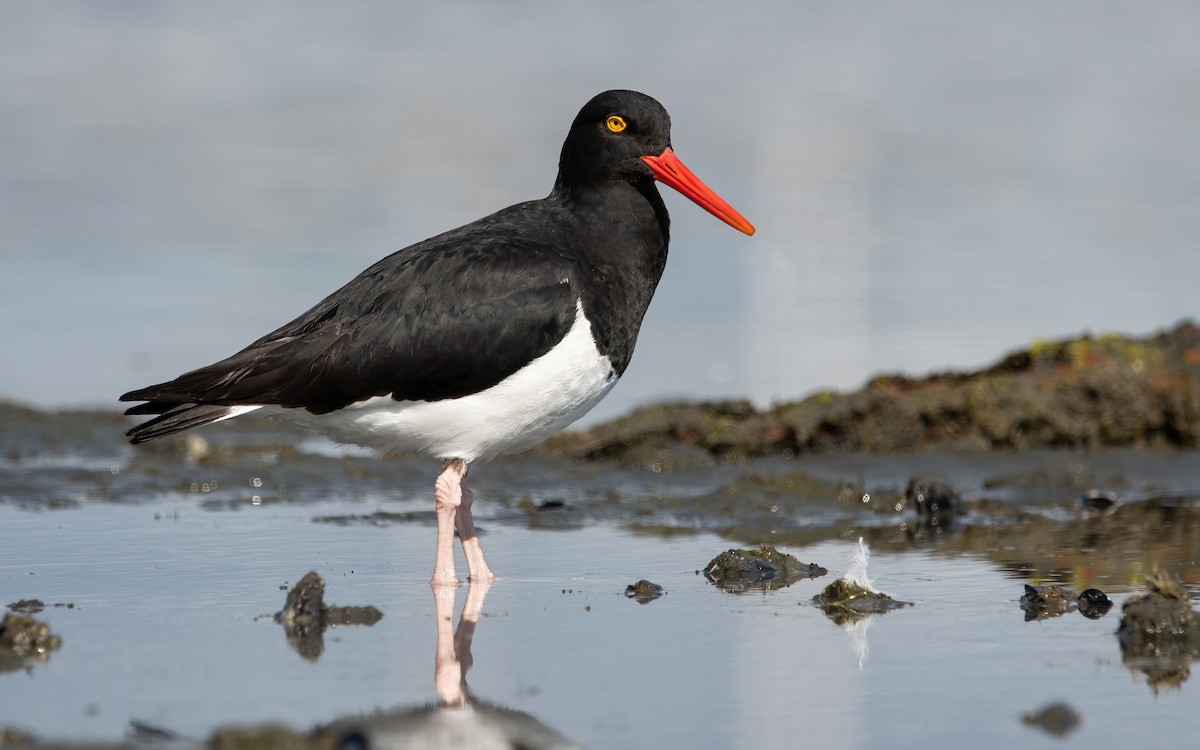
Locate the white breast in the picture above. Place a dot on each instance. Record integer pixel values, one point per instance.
(517, 413)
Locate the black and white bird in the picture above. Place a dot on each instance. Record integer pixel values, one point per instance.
(480, 341)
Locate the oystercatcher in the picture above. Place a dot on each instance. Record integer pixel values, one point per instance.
(480, 341)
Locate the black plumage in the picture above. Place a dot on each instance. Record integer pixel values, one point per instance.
(503, 288)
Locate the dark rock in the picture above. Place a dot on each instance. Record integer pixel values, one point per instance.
(1044, 602)
(932, 497)
(845, 602)
(367, 615)
(937, 505)
(1160, 633)
(644, 591)
(1097, 502)
(24, 641)
(1093, 604)
(1057, 719)
(765, 568)
(552, 514)
(305, 616)
(1083, 393)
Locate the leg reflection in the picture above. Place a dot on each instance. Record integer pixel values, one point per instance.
(453, 655)
(458, 720)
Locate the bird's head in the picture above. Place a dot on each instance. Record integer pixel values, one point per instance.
(626, 135)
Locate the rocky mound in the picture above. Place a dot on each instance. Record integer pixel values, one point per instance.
(1083, 393)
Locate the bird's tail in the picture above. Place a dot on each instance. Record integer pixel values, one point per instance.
(173, 418)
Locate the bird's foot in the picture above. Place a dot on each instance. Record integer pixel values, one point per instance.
(444, 580)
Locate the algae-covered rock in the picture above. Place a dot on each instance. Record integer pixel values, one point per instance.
(1160, 633)
(671, 436)
(762, 569)
(1057, 719)
(1044, 602)
(1087, 392)
(305, 616)
(644, 592)
(846, 601)
(24, 641)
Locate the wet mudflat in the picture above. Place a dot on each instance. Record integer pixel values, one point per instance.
(161, 573)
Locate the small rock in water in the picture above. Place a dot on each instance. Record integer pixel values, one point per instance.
(1093, 603)
(932, 497)
(305, 616)
(765, 568)
(1096, 502)
(853, 597)
(24, 641)
(1160, 633)
(845, 601)
(937, 505)
(33, 606)
(644, 591)
(1057, 719)
(1044, 602)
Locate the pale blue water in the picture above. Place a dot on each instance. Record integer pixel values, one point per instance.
(171, 627)
(933, 184)
(175, 565)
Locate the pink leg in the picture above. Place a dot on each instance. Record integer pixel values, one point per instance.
(454, 511)
(476, 565)
(448, 491)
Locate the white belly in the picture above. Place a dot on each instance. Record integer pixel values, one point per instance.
(517, 413)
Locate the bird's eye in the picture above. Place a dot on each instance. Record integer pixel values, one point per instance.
(615, 123)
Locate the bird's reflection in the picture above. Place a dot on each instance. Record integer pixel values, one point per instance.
(453, 655)
(458, 720)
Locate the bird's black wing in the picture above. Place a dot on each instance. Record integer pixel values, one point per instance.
(441, 319)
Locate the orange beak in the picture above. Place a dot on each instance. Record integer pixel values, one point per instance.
(669, 170)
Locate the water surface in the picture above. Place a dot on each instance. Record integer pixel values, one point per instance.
(173, 567)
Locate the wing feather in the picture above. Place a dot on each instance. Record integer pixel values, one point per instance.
(441, 319)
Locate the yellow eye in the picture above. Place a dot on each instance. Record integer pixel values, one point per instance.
(615, 123)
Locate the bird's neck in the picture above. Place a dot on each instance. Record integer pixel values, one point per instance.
(624, 230)
(618, 205)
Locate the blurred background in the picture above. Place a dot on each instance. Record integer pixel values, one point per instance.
(933, 184)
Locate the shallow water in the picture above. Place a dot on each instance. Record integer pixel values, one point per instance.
(175, 565)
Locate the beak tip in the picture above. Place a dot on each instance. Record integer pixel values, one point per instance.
(667, 169)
